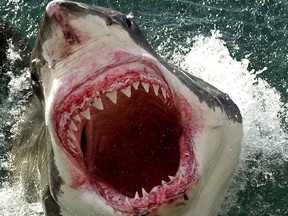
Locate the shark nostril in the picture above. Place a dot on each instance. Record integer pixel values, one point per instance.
(34, 78)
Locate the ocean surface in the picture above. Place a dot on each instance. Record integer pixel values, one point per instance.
(240, 46)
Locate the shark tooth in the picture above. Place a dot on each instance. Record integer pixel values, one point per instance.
(180, 179)
(154, 189)
(127, 91)
(77, 117)
(112, 96)
(70, 143)
(136, 85)
(156, 89)
(164, 92)
(144, 192)
(98, 104)
(136, 195)
(145, 86)
(165, 187)
(171, 177)
(72, 126)
(127, 200)
(72, 147)
(71, 135)
(115, 198)
(86, 114)
(186, 154)
(182, 169)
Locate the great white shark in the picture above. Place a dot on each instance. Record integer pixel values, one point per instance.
(115, 129)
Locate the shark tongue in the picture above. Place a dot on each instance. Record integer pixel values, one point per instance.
(133, 143)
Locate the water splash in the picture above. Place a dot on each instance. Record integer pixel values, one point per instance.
(14, 204)
(264, 158)
(259, 103)
(11, 197)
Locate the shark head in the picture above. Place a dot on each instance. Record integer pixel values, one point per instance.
(129, 134)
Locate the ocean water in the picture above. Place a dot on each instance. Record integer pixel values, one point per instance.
(240, 46)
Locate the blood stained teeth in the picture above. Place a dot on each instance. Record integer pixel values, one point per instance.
(171, 178)
(144, 192)
(164, 92)
(72, 148)
(136, 195)
(154, 189)
(127, 200)
(136, 85)
(127, 91)
(70, 143)
(166, 187)
(145, 86)
(182, 169)
(180, 179)
(186, 154)
(115, 198)
(98, 104)
(72, 126)
(86, 114)
(77, 118)
(156, 89)
(112, 96)
(71, 135)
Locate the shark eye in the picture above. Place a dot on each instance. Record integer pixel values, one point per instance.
(34, 78)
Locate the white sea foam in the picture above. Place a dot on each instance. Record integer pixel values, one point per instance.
(260, 104)
(12, 203)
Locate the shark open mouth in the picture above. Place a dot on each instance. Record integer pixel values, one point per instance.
(126, 131)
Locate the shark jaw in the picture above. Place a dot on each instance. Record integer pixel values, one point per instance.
(130, 134)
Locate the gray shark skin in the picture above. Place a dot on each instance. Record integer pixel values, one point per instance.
(120, 131)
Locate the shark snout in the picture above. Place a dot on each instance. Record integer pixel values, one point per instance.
(53, 8)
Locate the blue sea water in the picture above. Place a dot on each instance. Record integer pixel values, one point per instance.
(240, 46)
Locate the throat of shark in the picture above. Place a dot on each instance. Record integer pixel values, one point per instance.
(133, 144)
